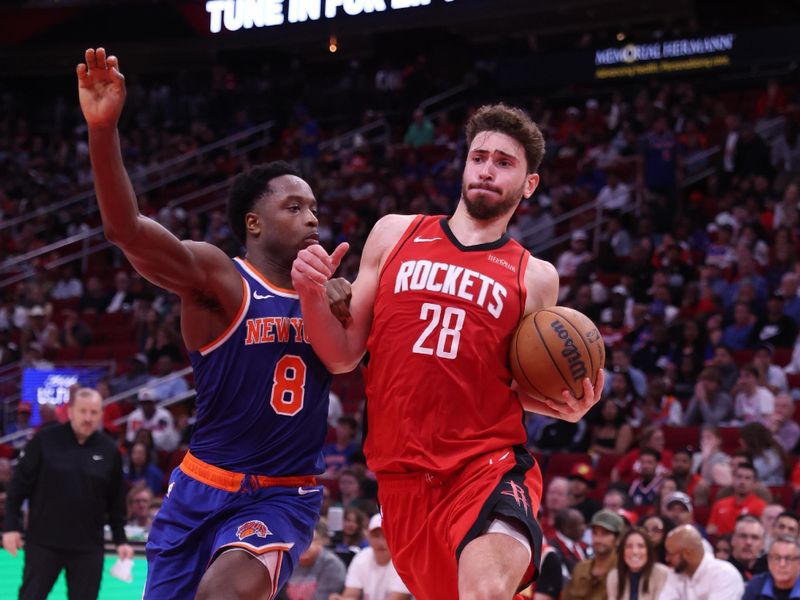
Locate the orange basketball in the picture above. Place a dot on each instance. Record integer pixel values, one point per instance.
(555, 349)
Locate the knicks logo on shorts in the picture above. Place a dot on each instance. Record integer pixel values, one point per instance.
(519, 494)
(252, 528)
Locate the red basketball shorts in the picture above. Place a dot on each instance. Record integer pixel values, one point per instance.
(428, 520)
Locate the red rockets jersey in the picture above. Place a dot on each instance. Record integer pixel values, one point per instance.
(438, 374)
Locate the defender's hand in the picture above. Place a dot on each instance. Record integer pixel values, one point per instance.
(314, 266)
(339, 295)
(101, 89)
(569, 408)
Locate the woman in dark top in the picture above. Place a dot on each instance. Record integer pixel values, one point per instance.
(611, 434)
(352, 538)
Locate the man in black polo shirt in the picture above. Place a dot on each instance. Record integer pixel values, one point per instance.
(72, 476)
(747, 547)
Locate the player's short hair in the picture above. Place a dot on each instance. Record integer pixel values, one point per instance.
(249, 187)
(515, 123)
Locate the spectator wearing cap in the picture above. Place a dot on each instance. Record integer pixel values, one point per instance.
(581, 479)
(568, 539)
(589, 576)
(775, 327)
(40, 329)
(577, 254)
(747, 545)
(638, 573)
(710, 404)
(725, 511)
(752, 402)
(155, 419)
(782, 580)
(372, 573)
(781, 422)
(319, 572)
(136, 376)
(680, 510)
(644, 489)
(697, 574)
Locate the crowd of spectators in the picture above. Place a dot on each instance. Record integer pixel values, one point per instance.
(691, 276)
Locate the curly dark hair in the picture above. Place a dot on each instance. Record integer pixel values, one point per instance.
(515, 123)
(249, 187)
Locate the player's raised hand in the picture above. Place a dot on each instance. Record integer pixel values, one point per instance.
(101, 88)
(313, 267)
(568, 408)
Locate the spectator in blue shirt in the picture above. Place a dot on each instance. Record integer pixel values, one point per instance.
(737, 335)
(141, 469)
(782, 580)
(337, 454)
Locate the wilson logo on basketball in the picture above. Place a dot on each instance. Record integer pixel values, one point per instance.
(252, 528)
(577, 366)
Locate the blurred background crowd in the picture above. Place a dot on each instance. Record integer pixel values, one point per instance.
(669, 205)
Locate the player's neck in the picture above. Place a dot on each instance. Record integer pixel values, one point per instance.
(470, 231)
(275, 272)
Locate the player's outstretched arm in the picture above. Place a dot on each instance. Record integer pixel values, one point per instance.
(154, 252)
(341, 346)
(542, 282)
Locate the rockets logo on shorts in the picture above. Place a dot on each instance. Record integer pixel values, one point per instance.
(519, 495)
(252, 528)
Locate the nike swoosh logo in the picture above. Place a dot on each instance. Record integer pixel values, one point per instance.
(258, 296)
(303, 492)
(97, 457)
(422, 239)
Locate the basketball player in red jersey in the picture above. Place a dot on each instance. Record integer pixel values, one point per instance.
(435, 304)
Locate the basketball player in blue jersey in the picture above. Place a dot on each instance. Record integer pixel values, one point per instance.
(242, 506)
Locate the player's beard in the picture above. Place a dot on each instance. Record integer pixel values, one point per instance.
(484, 207)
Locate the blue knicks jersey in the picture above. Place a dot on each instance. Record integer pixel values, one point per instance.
(262, 393)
